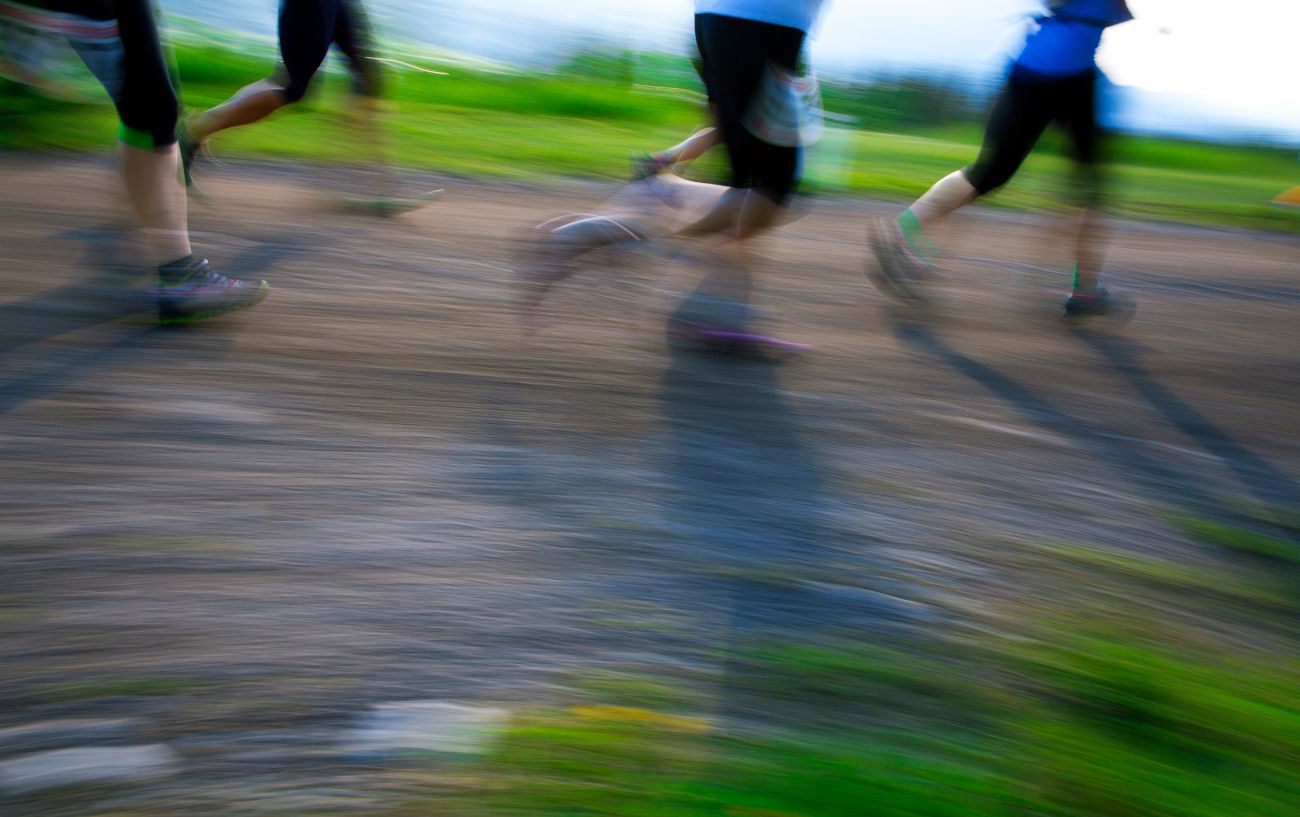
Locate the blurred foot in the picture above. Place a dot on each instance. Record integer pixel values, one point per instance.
(729, 341)
(898, 272)
(388, 205)
(542, 267)
(552, 250)
(189, 291)
(645, 165)
(1090, 303)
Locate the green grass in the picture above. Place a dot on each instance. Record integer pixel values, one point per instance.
(1168, 699)
(1107, 722)
(1281, 552)
(478, 123)
(1152, 574)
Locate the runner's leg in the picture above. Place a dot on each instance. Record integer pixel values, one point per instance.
(735, 55)
(133, 69)
(1078, 114)
(1018, 119)
(148, 109)
(306, 29)
(367, 114)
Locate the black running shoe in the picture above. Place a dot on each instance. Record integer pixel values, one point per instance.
(1088, 304)
(201, 293)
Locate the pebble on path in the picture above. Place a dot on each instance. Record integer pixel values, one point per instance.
(432, 726)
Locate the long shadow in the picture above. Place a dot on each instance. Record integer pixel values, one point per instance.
(1151, 477)
(112, 288)
(1266, 483)
(747, 489)
(109, 293)
(745, 485)
(70, 370)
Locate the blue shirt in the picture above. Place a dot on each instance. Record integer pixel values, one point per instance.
(1067, 38)
(800, 14)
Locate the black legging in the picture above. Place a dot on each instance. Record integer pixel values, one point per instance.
(131, 66)
(1023, 111)
(307, 30)
(735, 53)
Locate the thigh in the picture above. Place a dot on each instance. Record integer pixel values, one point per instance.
(1077, 114)
(118, 42)
(91, 28)
(353, 36)
(306, 29)
(733, 67)
(1018, 119)
(776, 168)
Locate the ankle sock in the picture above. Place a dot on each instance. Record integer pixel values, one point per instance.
(915, 236)
(176, 271)
(1085, 292)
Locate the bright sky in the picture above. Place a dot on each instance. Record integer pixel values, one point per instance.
(1236, 59)
(1207, 60)
(1197, 65)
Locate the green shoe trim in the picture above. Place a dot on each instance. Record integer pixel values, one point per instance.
(915, 236)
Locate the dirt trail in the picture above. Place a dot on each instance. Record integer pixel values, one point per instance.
(374, 487)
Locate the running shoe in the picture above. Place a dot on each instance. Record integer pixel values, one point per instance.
(646, 165)
(682, 333)
(897, 272)
(201, 293)
(716, 324)
(1088, 304)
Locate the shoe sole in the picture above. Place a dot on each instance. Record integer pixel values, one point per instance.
(173, 317)
(1119, 308)
(682, 334)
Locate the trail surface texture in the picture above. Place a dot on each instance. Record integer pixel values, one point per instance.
(228, 542)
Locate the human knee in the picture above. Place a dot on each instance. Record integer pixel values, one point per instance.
(150, 124)
(289, 85)
(986, 177)
(759, 212)
(293, 90)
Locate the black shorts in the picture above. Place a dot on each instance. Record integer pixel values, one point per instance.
(735, 54)
(1022, 112)
(307, 30)
(127, 59)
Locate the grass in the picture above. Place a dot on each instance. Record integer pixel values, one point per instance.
(479, 123)
(1175, 578)
(1272, 549)
(1127, 711)
(1106, 723)
(1123, 714)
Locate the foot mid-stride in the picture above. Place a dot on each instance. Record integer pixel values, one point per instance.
(897, 271)
(190, 291)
